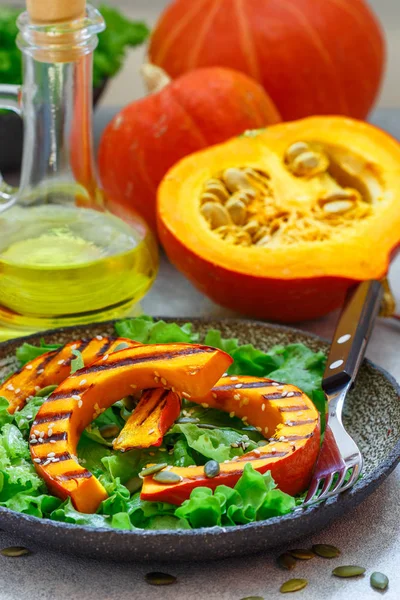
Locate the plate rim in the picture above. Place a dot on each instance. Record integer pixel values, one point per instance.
(380, 473)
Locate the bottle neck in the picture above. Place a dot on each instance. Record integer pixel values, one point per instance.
(58, 160)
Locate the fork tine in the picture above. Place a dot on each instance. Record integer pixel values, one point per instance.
(338, 484)
(353, 477)
(312, 490)
(326, 486)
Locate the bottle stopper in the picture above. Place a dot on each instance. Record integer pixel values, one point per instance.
(55, 11)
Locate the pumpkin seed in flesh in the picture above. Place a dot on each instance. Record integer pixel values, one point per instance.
(134, 484)
(109, 431)
(295, 150)
(309, 164)
(215, 214)
(338, 207)
(212, 469)
(15, 551)
(156, 578)
(348, 571)
(293, 585)
(237, 211)
(235, 180)
(379, 581)
(286, 561)
(46, 391)
(152, 470)
(167, 477)
(302, 554)
(326, 550)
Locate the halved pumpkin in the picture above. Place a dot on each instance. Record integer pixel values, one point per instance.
(187, 369)
(154, 415)
(281, 410)
(280, 223)
(53, 367)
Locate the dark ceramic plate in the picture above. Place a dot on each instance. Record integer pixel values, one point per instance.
(372, 418)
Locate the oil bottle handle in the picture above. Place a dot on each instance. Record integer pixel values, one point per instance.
(10, 99)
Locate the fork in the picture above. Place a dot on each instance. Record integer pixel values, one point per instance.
(340, 461)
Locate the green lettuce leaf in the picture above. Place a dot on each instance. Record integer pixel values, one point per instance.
(28, 352)
(147, 331)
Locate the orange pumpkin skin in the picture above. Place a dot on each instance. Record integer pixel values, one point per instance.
(287, 283)
(145, 139)
(311, 57)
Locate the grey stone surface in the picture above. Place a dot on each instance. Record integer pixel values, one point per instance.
(369, 536)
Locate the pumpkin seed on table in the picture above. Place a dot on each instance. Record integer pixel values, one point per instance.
(348, 571)
(15, 551)
(293, 585)
(379, 581)
(167, 477)
(153, 469)
(109, 431)
(212, 469)
(302, 554)
(286, 561)
(326, 550)
(156, 578)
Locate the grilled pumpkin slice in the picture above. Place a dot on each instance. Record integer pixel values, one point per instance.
(53, 367)
(156, 412)
(279, 409)
(186, 369)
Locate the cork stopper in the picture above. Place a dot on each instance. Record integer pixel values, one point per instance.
(55, 11)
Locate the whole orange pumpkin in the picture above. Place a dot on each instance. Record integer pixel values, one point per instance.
(311, 56)
(200, 109)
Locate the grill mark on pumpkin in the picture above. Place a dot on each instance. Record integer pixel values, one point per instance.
(57, 437)
(305, 422)
(61, 458)
(130, 361)
(105, 347)
(65, 395)
(74, 475)
(49, 359)
(293, 408)
(278, 396)
(162, 399)
(244, 386)
(296, 438)
(49, 417)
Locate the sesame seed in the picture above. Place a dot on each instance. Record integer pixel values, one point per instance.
(156, 379)
(82, 382)
(122, 450)
(259, 429)
(99, 337)
(49, 432)
(33, 436)
(214, 395)
(284, 394)
(156, 373)
(10, 387)
(257, 452)
(225, 375)
(227, 461)
(163, 381)
(29, 367)
(41, 434)
(273, 450)
(76, 397)
(47, 462)
(173, 389)
(193, 372)
(245, 401)
(236, 397)
(244, 419)
(39, 371)
(265, 430)
(151, 431)
(238, 385)
(55, 460)
(289, 423)
(105, 357)
(290, 394)
(53, 442)
(17, 391)
(234, 378)
(36, 432)
(185, 395)
(232, 414)
(96, 406)
(17, 409)
(80, 403)
(263, 407)
(61, 362)
(282, 438)
(33, 441)
(275, 383)
(37, 388)
(280, 388)
(36, 460)
(205, 405)
(133, 386)
(51, 454)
